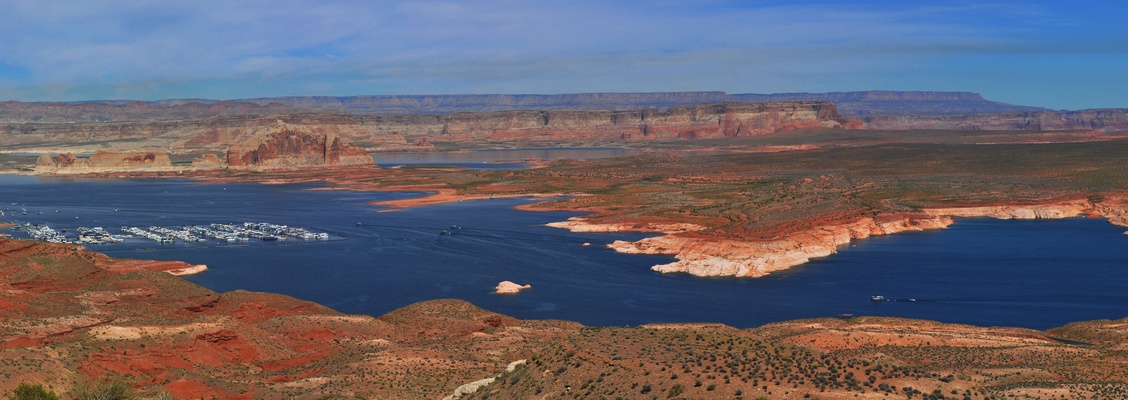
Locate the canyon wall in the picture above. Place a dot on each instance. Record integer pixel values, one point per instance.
(105, 161)
(1099, 119)
(894, 102)
(683, 122)
(849, 103)
(118, 111)
(286, 146)
(419, 132)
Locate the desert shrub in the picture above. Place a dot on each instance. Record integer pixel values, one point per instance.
(676, 390)
(114, 389)
(29, 391)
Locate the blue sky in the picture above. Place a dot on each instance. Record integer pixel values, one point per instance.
(1062, 55)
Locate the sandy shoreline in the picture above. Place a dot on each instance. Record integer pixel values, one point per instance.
(443, 196)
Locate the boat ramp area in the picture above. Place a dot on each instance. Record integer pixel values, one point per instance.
(229, 233)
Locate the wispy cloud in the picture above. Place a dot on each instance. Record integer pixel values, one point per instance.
(67, 50)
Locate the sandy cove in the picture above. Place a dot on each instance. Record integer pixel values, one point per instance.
(752, 259)
(443, 196)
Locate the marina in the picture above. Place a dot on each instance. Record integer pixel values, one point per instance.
(217, 232)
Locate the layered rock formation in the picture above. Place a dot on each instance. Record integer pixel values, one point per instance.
(1099, 119)
(684, 122)
(850, 103)
(285, 146)
(703, 256)
(1066, 209)
(105, 161)
(118, 111)
(896, 102)
(207, 161)
(752, 259)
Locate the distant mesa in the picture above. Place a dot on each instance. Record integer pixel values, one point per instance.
(288, 146)
(507, 287)
(104, 161)
(850, 103)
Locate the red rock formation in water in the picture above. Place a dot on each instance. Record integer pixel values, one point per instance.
(285, 146)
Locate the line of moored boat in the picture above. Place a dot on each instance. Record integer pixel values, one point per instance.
(244, 232)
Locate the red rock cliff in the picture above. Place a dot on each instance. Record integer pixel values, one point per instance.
(285, 146)
(685, 122)
(105, 161)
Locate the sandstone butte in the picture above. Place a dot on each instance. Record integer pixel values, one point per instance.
(753, 259)
(287, 146)
(105, 161)
(507, 287)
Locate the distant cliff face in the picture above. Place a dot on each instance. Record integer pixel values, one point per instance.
(1106, 119)
(117, 111)
(893, 102)
(849, 103)
(284, 146)
(104, 161)
(683, 122)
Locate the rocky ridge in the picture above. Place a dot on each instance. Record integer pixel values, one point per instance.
(1045, 120)
(104, 161)
(850, 103)
(286, 146)
(683, 122)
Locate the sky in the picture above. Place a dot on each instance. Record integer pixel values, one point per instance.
(1055, 54)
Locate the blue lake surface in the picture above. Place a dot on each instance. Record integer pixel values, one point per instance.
(1036, 274)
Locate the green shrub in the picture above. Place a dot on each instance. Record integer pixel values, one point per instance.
(27, 391)
(114, 389)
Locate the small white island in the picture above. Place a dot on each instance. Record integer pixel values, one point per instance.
(507, 287)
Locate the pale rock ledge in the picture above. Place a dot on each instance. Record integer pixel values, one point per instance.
(507, 287)
(752, 259)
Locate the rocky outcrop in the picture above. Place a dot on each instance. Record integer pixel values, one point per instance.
(286, 146)
(104, 161)
(207, 161)
(752, 259)
(472, 387)
(708, 256)
(61, 164)
(581, 224)
(1113, 209)
(1065, 209)
(507, 287)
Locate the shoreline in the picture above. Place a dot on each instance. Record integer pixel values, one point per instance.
(753, 259)
(443, 196)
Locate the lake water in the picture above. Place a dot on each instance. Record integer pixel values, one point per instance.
(1036, 274)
